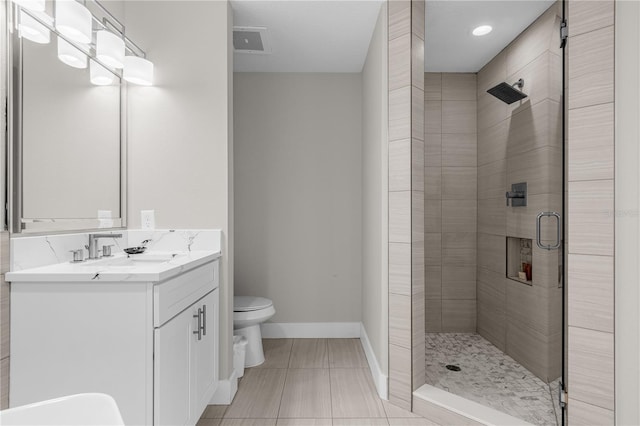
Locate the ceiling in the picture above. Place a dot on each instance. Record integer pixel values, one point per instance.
(308, 35)
(449, 44)
(334, 35)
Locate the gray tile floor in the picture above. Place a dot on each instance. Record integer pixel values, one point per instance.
(309, 382)
(489, 377)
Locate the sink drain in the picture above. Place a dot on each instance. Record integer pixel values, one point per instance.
(453, 367)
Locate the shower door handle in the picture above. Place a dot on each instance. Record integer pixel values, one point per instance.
(539, 231)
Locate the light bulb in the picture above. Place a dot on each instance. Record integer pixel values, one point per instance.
(71, 55)
(73, 20)
(99, 75)
(35, 5)
(110, 49)
(138, 70)
(33, 30)
(482, 30)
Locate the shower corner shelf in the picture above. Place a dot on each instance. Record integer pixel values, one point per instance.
(519, 259)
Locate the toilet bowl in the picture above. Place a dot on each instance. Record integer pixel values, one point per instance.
(248, 313)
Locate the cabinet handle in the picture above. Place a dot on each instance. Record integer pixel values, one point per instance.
(199, 330)
(204, 320)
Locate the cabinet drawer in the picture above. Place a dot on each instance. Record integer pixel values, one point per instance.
(173, 296)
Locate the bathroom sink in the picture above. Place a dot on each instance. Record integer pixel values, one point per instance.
(81, 409)
(135, 260)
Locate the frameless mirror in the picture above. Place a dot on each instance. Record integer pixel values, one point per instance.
(69, 142)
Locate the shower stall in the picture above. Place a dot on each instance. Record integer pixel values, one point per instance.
(494, 234)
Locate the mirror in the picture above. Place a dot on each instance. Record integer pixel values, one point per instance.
(69, 171)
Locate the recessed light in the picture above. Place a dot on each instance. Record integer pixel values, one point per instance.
(482, 30)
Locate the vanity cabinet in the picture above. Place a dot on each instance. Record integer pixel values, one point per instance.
(183, 372)
(152, 346)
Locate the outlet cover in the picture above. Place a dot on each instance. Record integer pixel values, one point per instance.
(147, 219)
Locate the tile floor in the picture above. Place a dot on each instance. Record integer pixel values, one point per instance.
(309, 382)
(489, 377)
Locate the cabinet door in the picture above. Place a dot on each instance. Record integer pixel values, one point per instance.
(173, 346)
(205, 354)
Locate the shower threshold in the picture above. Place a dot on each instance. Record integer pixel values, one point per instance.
(445, 407)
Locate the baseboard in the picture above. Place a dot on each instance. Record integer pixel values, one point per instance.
(308, 330)
(379, 378)
(225, 391)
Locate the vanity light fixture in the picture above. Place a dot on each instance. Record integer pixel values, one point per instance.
(482, 30)
(33, 30)
(35, 5)
(73, 26)
(73, 20)
(138, 70)
(71, 55)
(110, 48)
(99, 75)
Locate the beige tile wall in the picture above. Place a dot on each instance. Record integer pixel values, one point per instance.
(450, 176)
(406, 200)
(521, 142)
(590, 207)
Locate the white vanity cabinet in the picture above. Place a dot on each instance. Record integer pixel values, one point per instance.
(151, 345)
(184, 374)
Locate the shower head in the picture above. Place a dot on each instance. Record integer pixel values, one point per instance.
(508, 93)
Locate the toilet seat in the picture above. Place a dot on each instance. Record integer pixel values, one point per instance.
(250, 303)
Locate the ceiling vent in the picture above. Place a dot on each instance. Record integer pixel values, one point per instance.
(251, 40)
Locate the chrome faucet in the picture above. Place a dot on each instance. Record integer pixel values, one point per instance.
(93, 243)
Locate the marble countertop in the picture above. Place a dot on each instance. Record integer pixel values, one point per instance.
(153, 266)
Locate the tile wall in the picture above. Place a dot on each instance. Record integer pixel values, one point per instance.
(522, 142)
(450, 180)
(591, 212)
(406, 200)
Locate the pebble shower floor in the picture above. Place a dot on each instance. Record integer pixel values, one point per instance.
(490, 377)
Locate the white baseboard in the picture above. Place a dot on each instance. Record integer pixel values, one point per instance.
(307, 330)
(226, 390)
(379, 378)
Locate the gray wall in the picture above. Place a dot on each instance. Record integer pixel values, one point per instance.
(450, 202)
(298, 193)
(180, 131)
(375, 216)
(521, 142)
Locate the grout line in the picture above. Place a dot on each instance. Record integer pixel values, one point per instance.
(293, 342)
(591, 105)
(330, 390)
(555, 413)
(286, 375)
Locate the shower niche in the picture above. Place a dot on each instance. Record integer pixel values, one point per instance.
(520, 260)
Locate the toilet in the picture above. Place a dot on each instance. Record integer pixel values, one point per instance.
(248, 313)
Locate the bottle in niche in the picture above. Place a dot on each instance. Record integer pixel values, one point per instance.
(527, 270)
